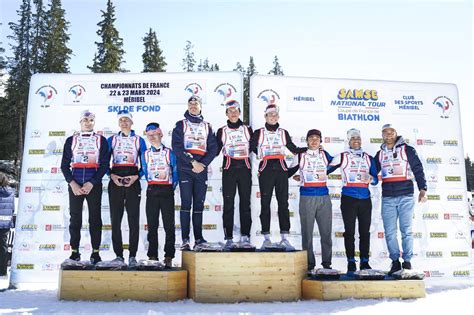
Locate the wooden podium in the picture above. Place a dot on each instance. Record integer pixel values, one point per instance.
(362, 289)
(94, 285)
(228, 277)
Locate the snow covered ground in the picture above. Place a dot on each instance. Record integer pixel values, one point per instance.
(442, 297)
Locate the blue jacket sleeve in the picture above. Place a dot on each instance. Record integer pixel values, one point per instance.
(378, 167)
(141, 157)
(144, 168)
(373, 171)
(109, 142)
(177, 144)
(335, 163)
(211, 148)
(174, 169)
(66, 160)
(416, 167)
(104, 161)
(329, 157)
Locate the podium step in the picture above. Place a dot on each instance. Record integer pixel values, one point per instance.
(94, 285)
(228, 277)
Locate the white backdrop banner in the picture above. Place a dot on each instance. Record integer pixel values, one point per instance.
(425, 114)
(55, 103)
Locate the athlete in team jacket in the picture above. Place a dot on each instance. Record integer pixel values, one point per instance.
(195, 146)
(269, 143)
(84, 162)
(234, 141)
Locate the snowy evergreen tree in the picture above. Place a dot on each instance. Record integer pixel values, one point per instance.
(153, 59)
(251, 70)
(39, 37)
(109, 55)
(276, 70)
(188, 61)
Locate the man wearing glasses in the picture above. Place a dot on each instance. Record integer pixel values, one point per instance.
(270, 144)
(233, 139)
(85, 161)
(126, 149)
(195, 147)
(159, 167)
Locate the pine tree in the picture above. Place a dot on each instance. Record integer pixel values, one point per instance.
(238, 67)
(57, 54)
(19, 78)
(188, 61)
(153, 59)
(108, 58)
(214, 67)
(251, 70)
(39, 37)
(276, 70)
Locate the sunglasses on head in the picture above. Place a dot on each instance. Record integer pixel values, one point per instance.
(151, 127)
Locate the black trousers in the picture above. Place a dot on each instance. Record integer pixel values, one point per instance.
(129, 198)
(268, 180)
(3, 251)
(94, 202)
(232, 179)
(158, 199)
(356, 209)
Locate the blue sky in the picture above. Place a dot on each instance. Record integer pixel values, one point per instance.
(426, 41)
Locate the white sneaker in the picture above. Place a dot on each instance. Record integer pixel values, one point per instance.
(244, 239)
(266, 243)
(228, 244)
(286, 244)
(118, 259)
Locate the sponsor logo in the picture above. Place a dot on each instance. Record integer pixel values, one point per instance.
(50, 267)
(34, 170)
(433, 197)
(453, 216)
(78, 92)
(433, 274)
(47, 247)
(56, 170)
(417, 235)
(209, 188)
(432, 178)
(105, 227)
(51, 207)
(339, 254)
(455, 197)
(450, 143)
(177, 207)
(67, 247)
(408, 102)
(444, 105)
(460, 235)
(454, 160)
(434, 254)
(461, 273)
(36, 151)
(331, 140)
(193, 88)
(29, 207)
(334, 177)
(54, 227)
(380, 234)
(376, 140)
(268, 96)
(438, 235)
(430, 216)
(226, 91)
(24, 247)
(460, 254)
(452, 178)
(33, 189)
(29, 227)
(35, 134)
(209, 226)
(335, 196)
(57, 133)
(47, 93)
(425, 142)
(25, 266)
(434, 160)
(104, 247)
(218, 208)
(339, 234)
